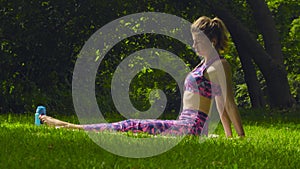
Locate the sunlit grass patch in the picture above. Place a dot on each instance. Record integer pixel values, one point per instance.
(271, 142)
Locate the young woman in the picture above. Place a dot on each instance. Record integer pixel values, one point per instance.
(201, 86)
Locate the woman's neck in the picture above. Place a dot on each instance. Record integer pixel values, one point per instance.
(210, 57)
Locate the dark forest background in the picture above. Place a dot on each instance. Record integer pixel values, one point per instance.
(40, 41)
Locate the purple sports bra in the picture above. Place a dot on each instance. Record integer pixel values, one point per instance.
(197, 83)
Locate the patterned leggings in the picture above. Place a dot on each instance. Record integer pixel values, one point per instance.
(189, 122)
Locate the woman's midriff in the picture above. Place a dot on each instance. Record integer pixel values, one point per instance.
(195, 101)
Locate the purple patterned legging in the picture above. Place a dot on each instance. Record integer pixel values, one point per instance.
(189, 122)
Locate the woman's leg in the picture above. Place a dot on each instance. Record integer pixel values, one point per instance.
(151, 126)
(50, 121)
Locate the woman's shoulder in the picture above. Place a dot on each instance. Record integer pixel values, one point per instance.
(221, 72)
(199, 65)
(221, 63)
(220, 66)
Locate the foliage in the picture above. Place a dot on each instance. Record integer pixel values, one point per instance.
(293, 61)
(40, 41)
(286, 15)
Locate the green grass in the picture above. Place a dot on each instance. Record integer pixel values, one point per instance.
(273, 141)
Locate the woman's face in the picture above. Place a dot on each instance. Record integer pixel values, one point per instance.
(201, 44)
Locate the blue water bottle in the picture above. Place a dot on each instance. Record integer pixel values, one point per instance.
(40, 110)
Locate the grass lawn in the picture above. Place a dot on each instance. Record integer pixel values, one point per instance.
(272, 141)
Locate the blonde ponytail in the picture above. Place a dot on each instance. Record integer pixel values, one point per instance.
(214, 29)
(221, 33)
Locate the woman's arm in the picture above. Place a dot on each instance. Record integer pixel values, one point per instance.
(224, 117)
(229, 113)
(225, 103)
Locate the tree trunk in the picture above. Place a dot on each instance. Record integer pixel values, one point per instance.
(266, 25)
(276, 78)
(253, 85)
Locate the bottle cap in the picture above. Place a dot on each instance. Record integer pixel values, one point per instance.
(41, 110)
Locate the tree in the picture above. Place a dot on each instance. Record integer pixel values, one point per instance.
(266, 25)
(254, 87)
(41, 39)
(270, 64)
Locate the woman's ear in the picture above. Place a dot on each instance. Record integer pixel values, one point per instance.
(214, 42)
